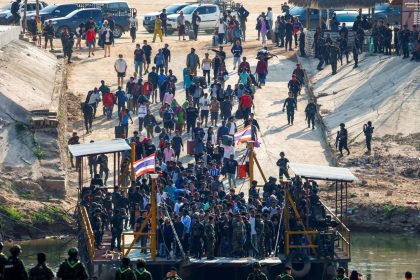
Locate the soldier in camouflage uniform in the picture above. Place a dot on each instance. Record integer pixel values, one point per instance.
(97, 227)
(269, 234)
(210, 238)
(197, 233)
(41, 271)
(286, 275)
(257, 274)
(238, 231)
(125, 272)
(259, 228)
(72, 268)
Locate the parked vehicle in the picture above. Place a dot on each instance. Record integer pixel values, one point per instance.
(208, 13)
(387, 13)
(348, 17)
(149, 19)
(6, 16)
(53, 11)
(118, 8)
(75, 18)
(300, 13)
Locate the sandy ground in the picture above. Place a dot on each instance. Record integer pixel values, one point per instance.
(299, 143)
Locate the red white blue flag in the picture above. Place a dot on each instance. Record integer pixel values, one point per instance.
(244, 134)
(145, 165)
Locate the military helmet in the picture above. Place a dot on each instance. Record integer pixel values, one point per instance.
(341, 270)
(73, 252)
(256, 265)
(15, 250)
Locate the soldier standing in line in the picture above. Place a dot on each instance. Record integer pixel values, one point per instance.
(117, 228)
(14, 268)
(405, 40)
(238, 231)
(41, 271)
(320, 42)
(256, 274)
(343, 49)
(197, 232)
(210, 238)
(141, 272)
(259, 228)
(291, 106)
(368, 131)
(124, 272)
(268, 234)
(72, 268)
(341, 140)
(310, 111)
(356, 53)
(3, 260)
(334, 56)
(97, 227)
(286, 275)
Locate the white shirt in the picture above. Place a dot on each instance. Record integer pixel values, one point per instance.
(94, 97)
(232, 129)
(142, 111)
(204, 103)
(228, 150)
(120, 65)
(207, 65)
(252, 222)
(221, 27)
(177, 207)
(133, 22)
(269, 15)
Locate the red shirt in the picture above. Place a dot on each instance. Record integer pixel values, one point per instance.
(108, 99)
(262, 67)
(246, 101)
(90, 36)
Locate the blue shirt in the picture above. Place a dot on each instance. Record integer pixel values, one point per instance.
(121, 97)
(237, 50)
(187, 223)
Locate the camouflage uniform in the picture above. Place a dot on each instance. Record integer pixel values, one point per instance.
(72, 269)
(210, 239)
(259, 228)
(257, 275)
(125, 273)
(238, 231)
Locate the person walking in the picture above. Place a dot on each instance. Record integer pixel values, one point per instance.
(147, 49)
(193, 62)
(180, 22)
(341, 139)
(231, 165)
(120, 66)
(283, 164)
(164, 18)
(289, 34)
(139, 59)
(243, 17)
(41, 271)
(196, 20)
(368, 131)
(310, 112)
(291, 105)
(91, 39)
(237, 53)
(334, 57)
(133, 25)
(206, 65)
(107, 38)
(72, 267)
(88, 117)
(48, 32)
(158, 29)
(67, 41)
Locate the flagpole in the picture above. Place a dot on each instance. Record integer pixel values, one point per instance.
(153, 210)
(132, 159)
(251, 162)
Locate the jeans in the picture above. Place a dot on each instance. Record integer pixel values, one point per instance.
(207, 73)
(254, 242)
(138, 67)
(108, 111)
(220, 38)
(116, 236)
(231, 179)
(195, 28)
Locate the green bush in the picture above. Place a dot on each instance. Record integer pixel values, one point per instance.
(50, 214)
(39, 153)
(11, 212)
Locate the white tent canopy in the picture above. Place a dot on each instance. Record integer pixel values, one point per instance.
(102, 147)
(322, 172)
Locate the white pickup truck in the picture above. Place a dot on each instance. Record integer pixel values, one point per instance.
(209, 14)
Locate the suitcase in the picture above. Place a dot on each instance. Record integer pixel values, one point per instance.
(215, 41)
(191, 34)
(242, 171)
(227, 140)
(190, 147)
(119, 132)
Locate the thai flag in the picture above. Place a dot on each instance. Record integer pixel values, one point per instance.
(243, 135)
(145, 165)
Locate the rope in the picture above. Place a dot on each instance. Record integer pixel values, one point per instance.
(173, 229)
(278, 231)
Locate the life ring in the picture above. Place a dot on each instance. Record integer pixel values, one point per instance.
(298, 258)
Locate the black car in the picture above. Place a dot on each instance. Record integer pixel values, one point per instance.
(53, 11)
(75, 18)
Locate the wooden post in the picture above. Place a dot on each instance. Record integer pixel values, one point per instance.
(251, 162)
(132, 160)
(24, 17)
(154, 217)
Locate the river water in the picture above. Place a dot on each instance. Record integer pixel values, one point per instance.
(377, 256)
